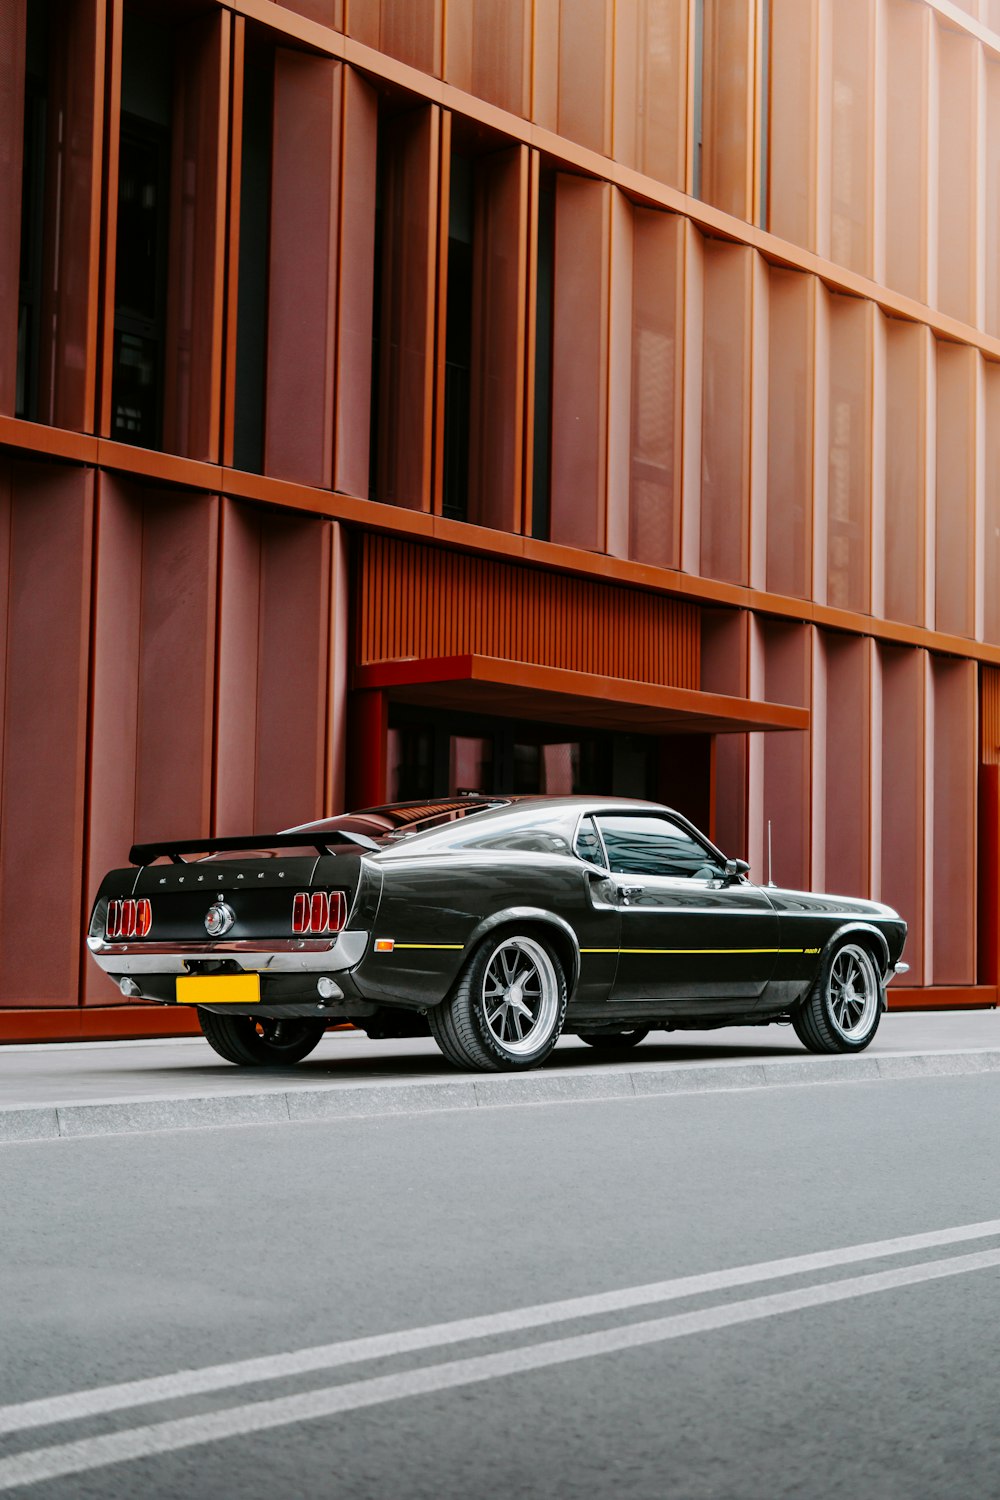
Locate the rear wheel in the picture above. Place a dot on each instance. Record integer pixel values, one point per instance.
(614, 1043)
(842, 1010)
(260, 1041)
(507, 1009)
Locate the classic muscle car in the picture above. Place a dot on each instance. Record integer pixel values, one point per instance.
(495, 924)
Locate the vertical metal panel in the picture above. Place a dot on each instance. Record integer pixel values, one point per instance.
(406, 374)
(498, 323)
(954, 826)
(193, 376)
(907, 144)
(232, 243)
(621, 278)
(903, 832)
(12, 41)
(361, 20)
(488, 50)
(355, 269)
(580, 362)
(293, 670)
(301, 330)
(725, 436)
(727, 106)
(412, 600)
(153, 679)
(790, 379)
(109, 215)
(413, 33)
(657, 389)
(907, 352)
(338, 656)
(68, 346)
(957, 174)
(237, 672)
(114, 696)
(787, 665)
(439, 313)
(851, 136)
(849, 454)
(845, 746)
(955, 488)
(792, 178)
(173, 796)
(586, 48)
(651, 88)
(50, 513)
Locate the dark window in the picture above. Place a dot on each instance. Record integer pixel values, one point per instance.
(639, 845)
(143, 233)
(588, 842)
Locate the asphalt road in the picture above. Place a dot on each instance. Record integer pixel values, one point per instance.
(870, 1373)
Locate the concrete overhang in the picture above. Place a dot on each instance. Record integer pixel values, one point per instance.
(552, 695)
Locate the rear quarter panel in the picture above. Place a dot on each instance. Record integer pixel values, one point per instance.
(435, 908)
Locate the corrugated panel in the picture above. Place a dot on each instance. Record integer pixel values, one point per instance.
(989, 716)
(419, 601)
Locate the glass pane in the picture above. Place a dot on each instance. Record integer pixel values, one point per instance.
(654, 846)
(588, 843)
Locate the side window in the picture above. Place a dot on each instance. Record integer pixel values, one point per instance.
(639, 845)
(588, 842)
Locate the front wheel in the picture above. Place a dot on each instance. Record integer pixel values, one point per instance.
(260, 1041)
(842, 1010)
(507, 1009)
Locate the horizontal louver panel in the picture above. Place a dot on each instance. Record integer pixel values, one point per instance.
(420, 601)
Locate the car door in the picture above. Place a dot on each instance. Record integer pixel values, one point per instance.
(687, 934)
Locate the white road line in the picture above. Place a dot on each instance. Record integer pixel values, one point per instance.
(44, 1411)
(261, 1416)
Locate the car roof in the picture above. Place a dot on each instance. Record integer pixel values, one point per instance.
(402, 815)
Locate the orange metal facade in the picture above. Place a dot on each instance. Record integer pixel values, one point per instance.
(655, 340)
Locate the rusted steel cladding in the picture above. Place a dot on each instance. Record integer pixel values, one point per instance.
(46, 528)
(417, 601)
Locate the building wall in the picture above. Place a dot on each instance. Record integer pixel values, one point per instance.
(699, 297)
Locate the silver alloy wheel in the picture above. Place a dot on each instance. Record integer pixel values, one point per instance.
(520, 995)
(853, 993)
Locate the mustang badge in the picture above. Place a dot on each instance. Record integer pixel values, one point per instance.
(219, 918)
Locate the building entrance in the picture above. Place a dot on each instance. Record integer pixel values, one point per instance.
(440, 755)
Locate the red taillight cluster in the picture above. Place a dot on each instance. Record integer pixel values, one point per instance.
(129, 919)
(318, 912)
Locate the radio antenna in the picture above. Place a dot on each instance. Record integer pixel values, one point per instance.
(770, 881)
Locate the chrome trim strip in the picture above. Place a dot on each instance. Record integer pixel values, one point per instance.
(278, 956)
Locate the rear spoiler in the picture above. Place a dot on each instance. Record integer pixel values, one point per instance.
(144, 854)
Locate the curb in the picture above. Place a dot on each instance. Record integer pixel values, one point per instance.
(50, 1122)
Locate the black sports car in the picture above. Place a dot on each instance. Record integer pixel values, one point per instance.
(495, 924)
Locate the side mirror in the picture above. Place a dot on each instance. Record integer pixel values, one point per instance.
(735, 870)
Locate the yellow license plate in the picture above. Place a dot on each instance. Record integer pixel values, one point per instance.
(218, 989)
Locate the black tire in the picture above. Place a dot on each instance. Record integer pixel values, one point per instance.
(260, 1041)
(842, 1010)
(614, 1043)
(507, 1009)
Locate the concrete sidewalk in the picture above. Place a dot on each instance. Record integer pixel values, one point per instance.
(99, 1088)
